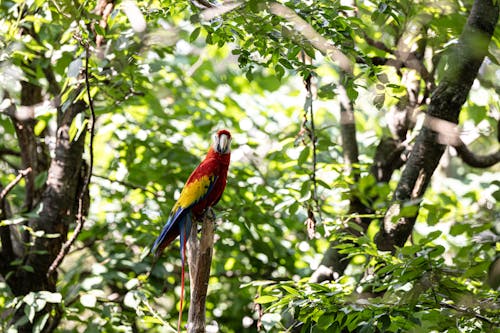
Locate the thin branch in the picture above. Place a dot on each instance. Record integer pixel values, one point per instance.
(466, 311)
(377, 44)
(308, 127)
(477, 161)
(12, 184)
(80, 219)
(448, 133)
(203, 4)
(129, 185)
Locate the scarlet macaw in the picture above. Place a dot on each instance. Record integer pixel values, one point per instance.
(202, 190)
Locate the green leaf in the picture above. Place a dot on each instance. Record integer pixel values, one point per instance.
(437, 251)
(303, 156)
(351, 92)
(326, 320)
(290, 290)
(327, 91)
(430, 237)
(40, 323)
(74, 67)
(194, 35)
(280, 71)
(40, 179)
(265, 299)
(28, 268)
(29, 311)
(385, 322)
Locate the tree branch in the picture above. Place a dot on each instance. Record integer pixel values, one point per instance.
(445, 104)
(474, 160)
(466, 311)
(10, 186)
(200, 259)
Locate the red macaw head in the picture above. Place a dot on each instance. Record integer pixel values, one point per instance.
(222, 142)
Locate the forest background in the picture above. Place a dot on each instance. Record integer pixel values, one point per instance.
(363, 191)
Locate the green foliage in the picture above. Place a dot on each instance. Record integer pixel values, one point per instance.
(160, 94)
(413, 290)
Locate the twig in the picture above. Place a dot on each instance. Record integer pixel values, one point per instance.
(466, 311)
(129, 185)
(79, 217)
(12, 184)
(311, 132)
(203, 4)
(200, 259)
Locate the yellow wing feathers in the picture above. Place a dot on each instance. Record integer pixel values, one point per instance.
(193, 192)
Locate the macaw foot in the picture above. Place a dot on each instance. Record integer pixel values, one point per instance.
(210, 213)
(206, 214)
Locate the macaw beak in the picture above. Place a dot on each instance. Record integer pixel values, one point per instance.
(222, 144)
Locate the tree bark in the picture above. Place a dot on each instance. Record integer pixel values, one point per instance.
(57, 212)
(446, 102)
(200, 259)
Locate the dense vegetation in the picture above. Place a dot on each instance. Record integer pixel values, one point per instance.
(364, 189)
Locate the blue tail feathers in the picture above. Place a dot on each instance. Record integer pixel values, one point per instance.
(175, 224)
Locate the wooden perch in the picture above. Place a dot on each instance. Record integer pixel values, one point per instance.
(199, 259)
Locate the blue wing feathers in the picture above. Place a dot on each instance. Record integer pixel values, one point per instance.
(179, 222)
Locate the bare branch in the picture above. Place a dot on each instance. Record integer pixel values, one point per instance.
(13, 183)
(203, 4)
(477, 161)
(216, 11)
(377, 44)
(466, 311)
(200, 259)
(448, 133)
(129, 185)
(309, 127)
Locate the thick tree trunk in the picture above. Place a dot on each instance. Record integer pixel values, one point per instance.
(446, 102)
(57, 213)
